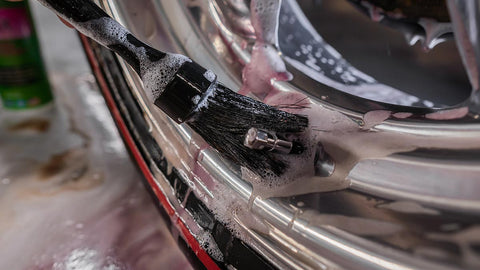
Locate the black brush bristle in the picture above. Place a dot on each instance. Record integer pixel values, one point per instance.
(223, 118)
(223, 123)
(228, 116)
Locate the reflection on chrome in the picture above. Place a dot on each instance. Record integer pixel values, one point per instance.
(403, 196)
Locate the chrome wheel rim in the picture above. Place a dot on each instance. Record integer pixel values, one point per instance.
(324, 246)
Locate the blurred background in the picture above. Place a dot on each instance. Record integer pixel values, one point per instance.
(70, 197)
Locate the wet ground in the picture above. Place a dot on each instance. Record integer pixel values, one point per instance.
(70, 197)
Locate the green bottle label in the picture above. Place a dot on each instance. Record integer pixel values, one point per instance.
(23, 80)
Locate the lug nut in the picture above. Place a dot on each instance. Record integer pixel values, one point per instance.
(263, 140)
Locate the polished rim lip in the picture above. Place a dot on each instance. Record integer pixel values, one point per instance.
(165, 193)
(432, 129)
(467, 131)
(288, 217)
(333, 242)
(146, 171)
(362, 254)
(464, 132)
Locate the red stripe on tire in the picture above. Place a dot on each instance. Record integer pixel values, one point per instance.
(191, 240)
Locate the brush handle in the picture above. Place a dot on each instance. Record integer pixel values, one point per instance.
(92, 21)
(180, 93)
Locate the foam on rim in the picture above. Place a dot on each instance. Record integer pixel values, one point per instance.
(347, 141)
(264, 19)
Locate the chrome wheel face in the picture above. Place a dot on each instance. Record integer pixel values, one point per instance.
(412, 203)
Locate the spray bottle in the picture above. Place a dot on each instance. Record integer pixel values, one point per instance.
(24, 87)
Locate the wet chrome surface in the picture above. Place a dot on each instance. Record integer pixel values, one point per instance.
(427, 225)
(465, 19)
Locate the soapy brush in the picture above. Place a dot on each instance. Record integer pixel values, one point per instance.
(242, 129)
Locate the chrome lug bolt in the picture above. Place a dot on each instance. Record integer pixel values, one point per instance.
(263, 140)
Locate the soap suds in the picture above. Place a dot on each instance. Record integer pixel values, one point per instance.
(265, 64)
(155, 75)
(264, 17)
(205, 98)
(209, 75)
(345, 139)
(308, 52)
(210, 246)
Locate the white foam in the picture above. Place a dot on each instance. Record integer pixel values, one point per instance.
(196, 99)
(209, 75)
(265, 16)
(373, 91)
(210, 246)
(155, 75)
(234, 212)
(203, 103)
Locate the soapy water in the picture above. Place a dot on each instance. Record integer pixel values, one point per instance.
(265, 67)
(324, 121)
(259, 76)
(226, 206)
(210, 76)
(155, 68)
(346, 140)
(265, 64)
(155, 74)
(308, 52)
(265, 23)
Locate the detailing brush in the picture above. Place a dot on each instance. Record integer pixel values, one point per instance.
(242, 129)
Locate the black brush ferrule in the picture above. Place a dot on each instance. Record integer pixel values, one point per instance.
(182, 94)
